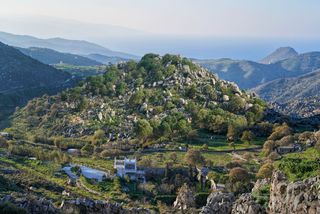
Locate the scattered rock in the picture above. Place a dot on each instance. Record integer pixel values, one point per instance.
(225, 98)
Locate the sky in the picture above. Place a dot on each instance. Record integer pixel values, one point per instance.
(106, 21)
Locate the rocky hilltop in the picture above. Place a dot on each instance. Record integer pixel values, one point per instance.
(160, 95)
(279, 55)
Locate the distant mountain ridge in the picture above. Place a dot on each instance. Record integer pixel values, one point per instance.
(51, 57)
(279, 55)
(249, 74)
(79, 47)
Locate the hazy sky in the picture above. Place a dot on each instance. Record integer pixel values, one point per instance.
(243, 29)
(236, 18)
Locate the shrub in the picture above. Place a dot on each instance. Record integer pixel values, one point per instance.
(9, 208)
(280, 132)
(285, 141)
(265, 171)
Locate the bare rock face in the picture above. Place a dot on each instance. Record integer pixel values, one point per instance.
(260, 183)
(185, 199)
(92, 207)
(246, 205)
(218, 203)
(294, 198)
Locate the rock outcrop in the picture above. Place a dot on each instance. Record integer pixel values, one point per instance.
(260, 183)
(185, 199)
(294, 198)
(218, 203)
(247, 205)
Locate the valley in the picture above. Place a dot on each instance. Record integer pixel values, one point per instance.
(190, 135)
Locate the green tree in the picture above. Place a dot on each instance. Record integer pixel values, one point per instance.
(183, 127)
(233, 133)
(247, 137)
(137, 98)
(194, 157)
(173, 156)
(143, 129)
(121, 88)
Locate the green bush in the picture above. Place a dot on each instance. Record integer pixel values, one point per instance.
(262, 195)
(298, 168)
(201, 199)
(167, 199)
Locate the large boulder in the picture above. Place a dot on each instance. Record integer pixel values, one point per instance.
(294, 198)
(247, 205)
(218, 203)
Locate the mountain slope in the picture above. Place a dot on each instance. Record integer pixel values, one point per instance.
(246, 74)
(22, 78)
(158, 98)
(279, 55)
(298, 96)
(61, 45)
(48, 56)
(302, 63)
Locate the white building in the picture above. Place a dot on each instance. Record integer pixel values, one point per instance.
(128, 167)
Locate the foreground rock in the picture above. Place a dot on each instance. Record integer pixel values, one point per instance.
(91, 207)
(218, 203)
(247, 205)
(294, 198)
(31, 204)
(35, 205)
